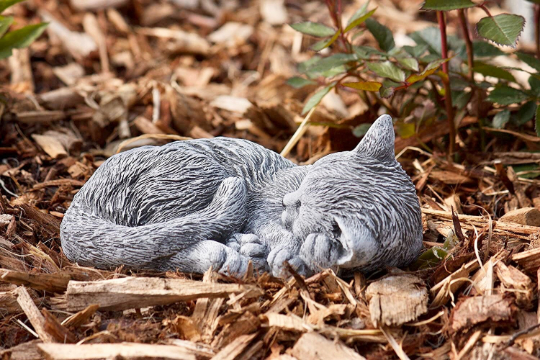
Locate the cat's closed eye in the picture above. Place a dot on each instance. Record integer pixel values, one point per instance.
(336, 230)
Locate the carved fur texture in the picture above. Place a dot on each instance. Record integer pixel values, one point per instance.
(192, 205)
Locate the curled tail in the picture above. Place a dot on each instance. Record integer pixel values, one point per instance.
(91, 240)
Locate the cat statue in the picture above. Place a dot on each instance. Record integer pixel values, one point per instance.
(195, 204)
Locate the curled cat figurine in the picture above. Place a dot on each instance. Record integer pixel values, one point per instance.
(191, 205)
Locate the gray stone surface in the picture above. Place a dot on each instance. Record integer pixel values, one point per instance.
(221, 202)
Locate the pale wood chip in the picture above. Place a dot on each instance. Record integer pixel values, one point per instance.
(110, 351)
(314, 346)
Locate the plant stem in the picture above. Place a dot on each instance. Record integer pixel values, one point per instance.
(537, 28)
(446, 83)
(468, 42)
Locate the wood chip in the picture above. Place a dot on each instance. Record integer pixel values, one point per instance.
(110, 351)
(130, 292)
(50, 145)
(526, 216)
(314, 346)
(49, 282)
(479, 309)
(235, 348)
(517, 283)
(397, 299)
(32, 313)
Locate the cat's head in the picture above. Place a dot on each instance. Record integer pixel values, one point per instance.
(366, 182)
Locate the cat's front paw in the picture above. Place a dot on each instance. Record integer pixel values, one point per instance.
(250, 246)
(277, 258)
(319, 252)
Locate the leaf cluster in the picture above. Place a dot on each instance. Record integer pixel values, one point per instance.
(19, 38)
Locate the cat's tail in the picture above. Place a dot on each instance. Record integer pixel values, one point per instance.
(91, 240)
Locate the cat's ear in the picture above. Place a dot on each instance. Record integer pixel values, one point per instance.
(379, 140)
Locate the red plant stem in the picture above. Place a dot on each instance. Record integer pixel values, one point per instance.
(468, 42)
(446, 83)
(483, 7)
(537, 29)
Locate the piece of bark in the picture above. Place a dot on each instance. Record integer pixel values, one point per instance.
(244, 325)
(49, 282)
(146, 126)
(449, 177)
(32, 313)
(524, 216)
(67, 138)
(528, 260)
(198, 349)
(22, 80)
(60, 99)
(514, 279)
(519, 189)
(114, 351)
(25, 351)
(450, 284)
(130, 293)
(91, 27)
(184, 42)
(316, 347)
(8, 301)
(49, 225)
(40, 116)
(274, 12)
(235, 348)
(397, 299)
(69, 74)
(57, 330)
(81, 317)
(479, 309)
(50, 145)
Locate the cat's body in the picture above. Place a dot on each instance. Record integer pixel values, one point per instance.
(222, 202)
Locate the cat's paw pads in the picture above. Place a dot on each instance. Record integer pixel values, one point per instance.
(319, 251)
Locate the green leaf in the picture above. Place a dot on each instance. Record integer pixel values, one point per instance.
(299, 82)
(387, 89)
(405, 130)
(305, 65)
(313, 29)
(534, 83)
(461, 98)
(429, 36)
(506, 95)
(537, 121)
(491, 70)
(501, 118)
(408, 63)
(358, 13)
(364, 85)
(503, 29)
(323, 44)
(361, 130)
(387, 70)
(331, 62)
(20, 38)
(526, 112)
(529, 60)
(430, 69)
(382, 34)
(365, 52)
(316, 98)
(359, 21)
(416, 51)
(446, 5)
(5, 23)
(4, 4)
(484, 49)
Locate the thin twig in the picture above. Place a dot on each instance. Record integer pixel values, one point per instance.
(446, 83)
(468, 42)
(298, 134)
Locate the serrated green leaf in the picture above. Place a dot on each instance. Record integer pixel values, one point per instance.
(430, 69)
(20, 38)
(529, 60)
(526, 112)
(387, 70)
(5, 23)
(387, 89)
(4, 4)
(323, 44)
(484, 49)
(331, 62)
(382, 34)
(537, 121)
(361, 130)
(408, 63)
(313, 29)
(501, 118)
(534, 83)
(358, 13)
(492, 70)
(364, 85)
(503, 29)
(506, 95)
(316, 98)
(446, 5)
(359, 21)
(416, 51)
(299, 82)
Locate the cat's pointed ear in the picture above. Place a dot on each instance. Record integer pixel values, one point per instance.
(379, 140)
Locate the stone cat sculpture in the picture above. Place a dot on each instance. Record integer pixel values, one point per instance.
(221, 202)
